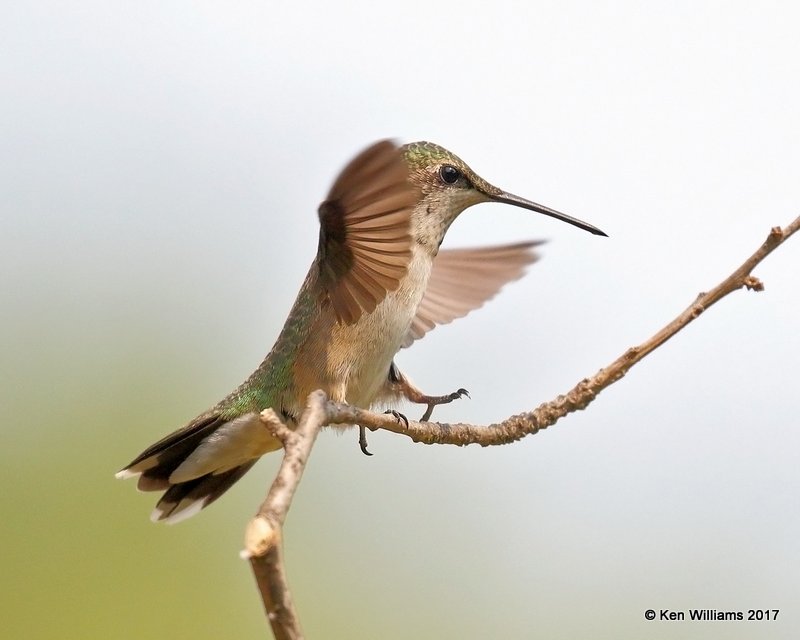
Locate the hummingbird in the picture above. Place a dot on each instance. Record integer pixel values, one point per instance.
(378, 283)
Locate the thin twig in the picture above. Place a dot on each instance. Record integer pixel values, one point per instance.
(263, 542)
(264, 535)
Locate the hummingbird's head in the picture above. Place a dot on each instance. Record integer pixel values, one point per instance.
(449, 186)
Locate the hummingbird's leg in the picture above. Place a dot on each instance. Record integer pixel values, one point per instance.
(399, 385)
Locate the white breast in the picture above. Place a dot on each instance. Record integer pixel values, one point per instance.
(365, 349)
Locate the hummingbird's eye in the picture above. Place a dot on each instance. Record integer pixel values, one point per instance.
(449, 174)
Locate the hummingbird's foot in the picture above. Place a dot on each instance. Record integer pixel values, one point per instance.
(362, 440)
(398, 416)
(433, 401)
(399, 386)
(362, 431)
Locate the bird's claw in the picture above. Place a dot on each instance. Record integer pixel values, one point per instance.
(362, 431)
(435, 401)
(362, 440)
(398, 416)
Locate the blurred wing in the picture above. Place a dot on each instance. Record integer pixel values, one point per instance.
(464, 279)
(365, 224)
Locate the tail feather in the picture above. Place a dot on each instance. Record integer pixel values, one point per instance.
(185, 499)
(156, 463)
(210, 454)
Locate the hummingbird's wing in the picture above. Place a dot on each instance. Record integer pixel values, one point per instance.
(365, 224)
(462, 280)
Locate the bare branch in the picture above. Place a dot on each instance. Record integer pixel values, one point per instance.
(578, 397)
(264, 535)
(263, 540)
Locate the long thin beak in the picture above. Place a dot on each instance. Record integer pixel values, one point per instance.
(508, 198)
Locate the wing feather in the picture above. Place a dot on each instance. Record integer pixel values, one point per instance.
(462, 280)
(365, 231)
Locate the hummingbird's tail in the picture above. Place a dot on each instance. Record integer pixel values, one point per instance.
(198, 463)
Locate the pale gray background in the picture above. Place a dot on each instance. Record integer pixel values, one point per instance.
(160, 168)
